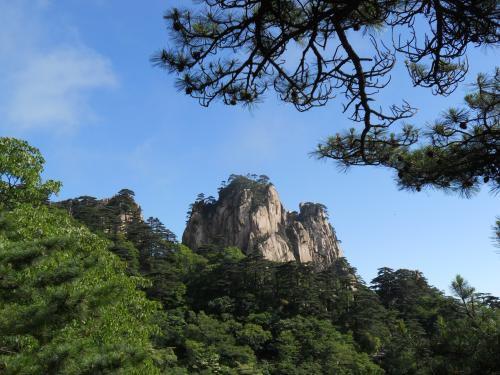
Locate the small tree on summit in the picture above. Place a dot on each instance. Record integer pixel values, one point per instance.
(126, 193)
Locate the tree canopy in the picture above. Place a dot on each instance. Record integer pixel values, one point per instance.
(66, 305)
(21, 166)
(117, 294)
(305, 50)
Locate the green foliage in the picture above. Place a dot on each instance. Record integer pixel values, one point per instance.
(224, 313)
(254, 336)
(258, 185)
(210, 345)
(66, 305)
(216, 255)
(437, 334)
(312, 346)
(229, 313)
(20, 169)
(457, 153)
(469, 345)
(74, 302)
(460, 150)
(169, 275)
(119, 219)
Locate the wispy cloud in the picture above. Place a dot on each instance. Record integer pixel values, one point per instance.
(52, 89)
(48, 80)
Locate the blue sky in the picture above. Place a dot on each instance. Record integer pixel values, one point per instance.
(77, 83)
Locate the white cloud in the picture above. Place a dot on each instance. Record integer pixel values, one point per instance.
(48, 74)
(52, 89)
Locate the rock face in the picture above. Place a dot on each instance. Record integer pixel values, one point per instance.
(250, 216)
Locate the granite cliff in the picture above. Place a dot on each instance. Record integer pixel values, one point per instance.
(249, 214)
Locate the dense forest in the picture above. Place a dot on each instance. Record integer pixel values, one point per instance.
(88, 286)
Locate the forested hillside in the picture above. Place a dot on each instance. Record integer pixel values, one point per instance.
(89, 286)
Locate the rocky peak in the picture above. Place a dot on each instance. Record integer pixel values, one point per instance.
(109, 215)
(249, 214)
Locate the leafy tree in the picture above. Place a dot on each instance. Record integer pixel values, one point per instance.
(431, 333)
(466, 293)
(170, 275)
(368, 321)
(211, 345)
(127, 193)
(468, 343)
(312, 346)
(66, 305)
(89, 211)
(159, 229)
(120, 220)
(20, 169)
(459, 154)
(254, 336)
(127, 252)
(408, 293)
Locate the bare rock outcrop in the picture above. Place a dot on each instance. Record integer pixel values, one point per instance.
(250, 216)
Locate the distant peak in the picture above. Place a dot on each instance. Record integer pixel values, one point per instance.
(249, 214)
